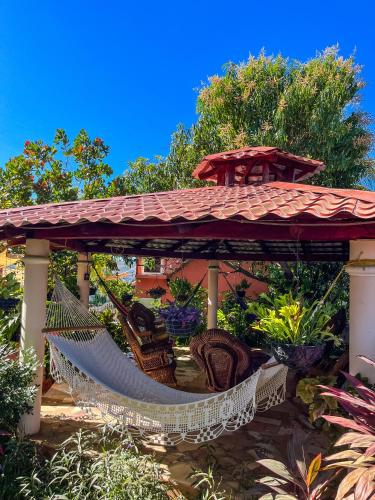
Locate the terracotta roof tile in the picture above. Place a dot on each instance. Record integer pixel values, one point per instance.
(301, 168)
(272, 200)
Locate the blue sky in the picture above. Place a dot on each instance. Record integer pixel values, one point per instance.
(126, 71)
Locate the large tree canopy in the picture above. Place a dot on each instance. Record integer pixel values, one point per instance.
(308, 108)
(62, 171)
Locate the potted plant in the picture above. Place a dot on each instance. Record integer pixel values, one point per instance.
(297, 333)
(181, 321)
(181, 289)
(157, 292)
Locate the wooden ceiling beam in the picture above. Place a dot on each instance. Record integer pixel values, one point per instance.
(247, 256)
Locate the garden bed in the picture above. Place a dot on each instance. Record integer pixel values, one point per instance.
(234, 455)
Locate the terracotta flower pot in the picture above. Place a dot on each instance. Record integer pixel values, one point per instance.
(298, 357)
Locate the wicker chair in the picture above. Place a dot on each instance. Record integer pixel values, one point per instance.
(154, 357)
(225, 360)
(145, 325)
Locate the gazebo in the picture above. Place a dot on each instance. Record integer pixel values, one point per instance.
(256, 209)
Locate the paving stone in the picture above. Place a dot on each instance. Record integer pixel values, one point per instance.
(267, 420)
(180, 473)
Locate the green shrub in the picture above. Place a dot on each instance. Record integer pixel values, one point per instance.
(309, 392)
(108, 318)
(17, 390)
(18, 457)
(95, 466)
(119, 288)
(10, 308)
(236, 320)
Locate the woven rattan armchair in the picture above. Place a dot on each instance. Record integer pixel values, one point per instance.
(145, 325)
(154, 357)
(225, 360)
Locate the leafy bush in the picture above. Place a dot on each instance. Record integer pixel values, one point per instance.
(10, 308)
(18, 457)
(121, 289)
(95, 466)
(287, 320)
(17, 390)
(309, 392)
(108, 318)
(238, 320)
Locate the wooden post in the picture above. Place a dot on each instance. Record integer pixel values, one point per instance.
(83, 280)
(33, 319)
(213, 293)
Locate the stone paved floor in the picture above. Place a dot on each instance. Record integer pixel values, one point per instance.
(234, 454)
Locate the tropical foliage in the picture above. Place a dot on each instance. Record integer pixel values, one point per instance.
(10, 308)
(309, 391)
(359, 456)
(113, 326)
(234, 317)
(17, 388)
(300, 479)
(287, 320)
(300, 483)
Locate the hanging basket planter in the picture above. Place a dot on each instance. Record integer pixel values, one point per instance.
(181, 321)
(156, 293)
(298, 357)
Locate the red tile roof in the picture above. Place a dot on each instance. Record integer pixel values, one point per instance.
(272, 200)
(291, 167)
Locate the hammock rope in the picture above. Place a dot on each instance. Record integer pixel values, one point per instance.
(100, 375)
(112, 297)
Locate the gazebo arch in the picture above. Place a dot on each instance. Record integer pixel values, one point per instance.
(255, 211)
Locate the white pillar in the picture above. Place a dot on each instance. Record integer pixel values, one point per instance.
(83, 281)
(362, 307)
(213, 294)
(33, 318)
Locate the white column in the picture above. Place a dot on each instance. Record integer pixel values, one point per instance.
(33, 318)
(362, 307)
(213, 287)
(83, 281)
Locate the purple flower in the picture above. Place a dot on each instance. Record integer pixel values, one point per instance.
(184, 315)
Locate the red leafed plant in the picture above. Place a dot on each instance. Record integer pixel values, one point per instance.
(299, 480)
(359, 457)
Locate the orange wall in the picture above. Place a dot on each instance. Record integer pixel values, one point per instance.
(193, 271)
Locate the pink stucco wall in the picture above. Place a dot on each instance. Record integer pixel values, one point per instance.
(193, 271)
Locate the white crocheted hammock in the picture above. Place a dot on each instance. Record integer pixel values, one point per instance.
(100, 375)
